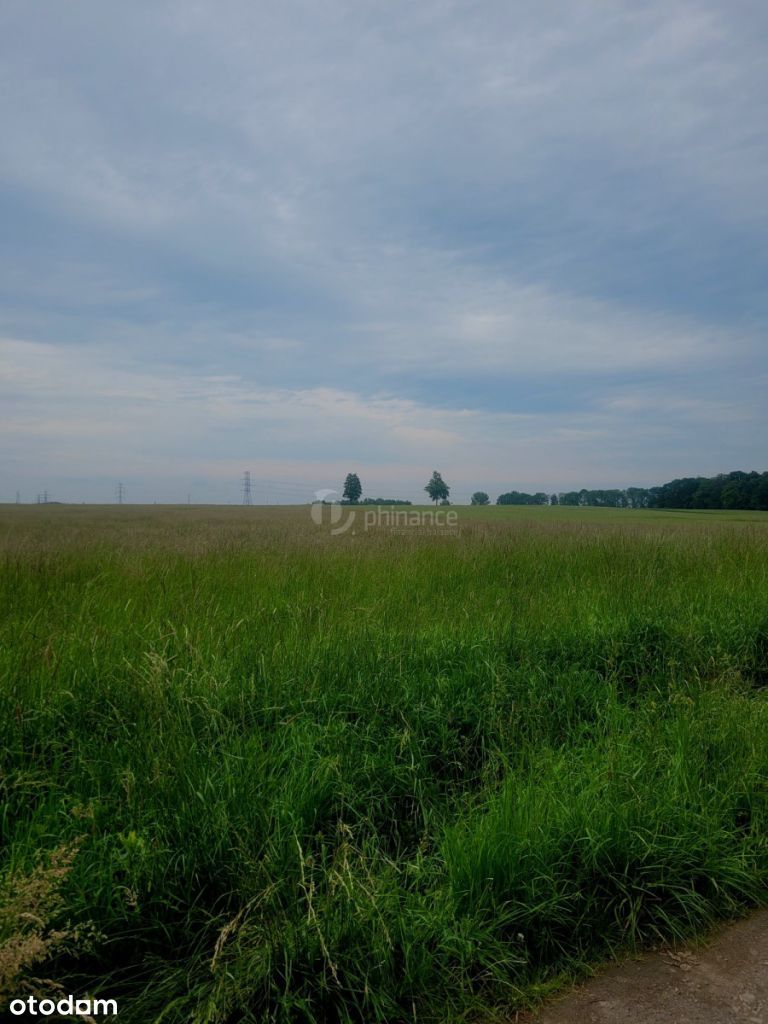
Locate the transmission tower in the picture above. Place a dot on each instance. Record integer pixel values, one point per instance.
(247, 488)
(18, 498)
(120, 492)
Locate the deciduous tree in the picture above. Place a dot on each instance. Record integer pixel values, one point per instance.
(437, 488)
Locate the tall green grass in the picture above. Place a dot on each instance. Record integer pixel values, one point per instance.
(374, 778)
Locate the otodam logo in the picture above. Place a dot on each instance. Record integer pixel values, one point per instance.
(65, 1006)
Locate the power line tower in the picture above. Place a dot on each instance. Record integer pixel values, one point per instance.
(120, 492)
(247, 488)
(18, 498)
(45, 497)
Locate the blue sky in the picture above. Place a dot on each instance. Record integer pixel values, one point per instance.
(522, 244)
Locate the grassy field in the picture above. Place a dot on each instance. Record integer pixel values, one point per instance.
(251, 771)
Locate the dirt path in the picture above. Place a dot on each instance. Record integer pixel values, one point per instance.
(723, 982)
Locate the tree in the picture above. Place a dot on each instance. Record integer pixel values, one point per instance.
(480, 498)
(352, 488)
(734, 495)
(437, 488)
(521, 498)
(760, 499)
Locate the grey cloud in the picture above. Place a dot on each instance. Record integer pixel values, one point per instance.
(378, 202)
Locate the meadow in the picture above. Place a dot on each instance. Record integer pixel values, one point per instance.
(254, 772)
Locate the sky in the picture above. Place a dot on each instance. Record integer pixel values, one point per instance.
(523, 244)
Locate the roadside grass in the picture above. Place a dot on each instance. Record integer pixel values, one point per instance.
(373, 778)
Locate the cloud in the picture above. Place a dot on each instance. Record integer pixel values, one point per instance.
(87, 415)
(438, 232)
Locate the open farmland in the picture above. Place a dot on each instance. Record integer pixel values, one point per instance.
(375, 777)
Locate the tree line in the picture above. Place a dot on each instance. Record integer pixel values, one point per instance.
(736, 490)
(437, 489)
(353, 494)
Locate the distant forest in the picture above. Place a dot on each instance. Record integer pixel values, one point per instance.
(726, 490)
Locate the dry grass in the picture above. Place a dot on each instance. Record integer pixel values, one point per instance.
(32, 927)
